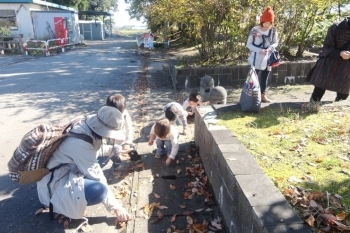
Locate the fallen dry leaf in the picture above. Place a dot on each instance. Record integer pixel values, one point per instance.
(182, 206)
(216, 225)
(147, 210)
(335, 200)
(279, 179)
(120, 224)
(341, 216)
(313, 204)
(178, 171)
(294, 179)
(319, 160)
(66, 223)
(173, 218)
(161, 207)
(151, 178)
(341, 226)
(188, 212)
(338, 196)
(156, 220)
(61, 219)
(39, 211)
(310, 220)
(87, 228)
(309, 178)
(189, 220)
(156, 195)
(312, 164)
(172, 186)
(159, 214)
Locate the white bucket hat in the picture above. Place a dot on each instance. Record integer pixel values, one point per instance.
(108, 122)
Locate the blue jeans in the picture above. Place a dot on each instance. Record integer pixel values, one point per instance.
(263, 79)
(95, 191)
(161, 144)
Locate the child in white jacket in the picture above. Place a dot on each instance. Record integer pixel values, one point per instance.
(166, 136)
(191, 103)
(173, 111)
(118, 101)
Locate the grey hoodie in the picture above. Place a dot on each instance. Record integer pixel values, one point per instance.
(271, 43)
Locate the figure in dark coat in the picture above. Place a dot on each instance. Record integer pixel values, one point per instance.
(332, 70)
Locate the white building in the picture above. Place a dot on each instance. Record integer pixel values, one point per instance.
(35, 19)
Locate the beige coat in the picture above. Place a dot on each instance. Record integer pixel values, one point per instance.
(80, 157)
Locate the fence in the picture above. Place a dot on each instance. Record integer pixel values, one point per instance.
(46, 45)
(11, 43)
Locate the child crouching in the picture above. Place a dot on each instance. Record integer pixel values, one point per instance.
(166, 136)
(190, 104)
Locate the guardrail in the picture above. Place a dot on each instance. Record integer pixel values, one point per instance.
(46, 47)
(26, 48)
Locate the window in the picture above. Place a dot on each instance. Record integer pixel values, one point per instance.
(8, 18)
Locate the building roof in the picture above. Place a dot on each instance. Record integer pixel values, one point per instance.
(39, 2)
(95, 13)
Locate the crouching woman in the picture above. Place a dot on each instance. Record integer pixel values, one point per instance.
(78, 180)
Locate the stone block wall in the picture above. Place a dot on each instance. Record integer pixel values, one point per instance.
(248, 199)
(234, 76)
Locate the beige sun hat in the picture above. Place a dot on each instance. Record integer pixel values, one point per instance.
(108, 122)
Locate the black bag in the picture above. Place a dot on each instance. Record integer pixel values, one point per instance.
(134, 156)
(274, 59)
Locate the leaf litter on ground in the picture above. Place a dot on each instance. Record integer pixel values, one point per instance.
(199, 186)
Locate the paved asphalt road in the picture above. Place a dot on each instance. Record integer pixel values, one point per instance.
(53, 90)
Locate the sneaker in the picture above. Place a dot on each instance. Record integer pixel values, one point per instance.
(158, 156)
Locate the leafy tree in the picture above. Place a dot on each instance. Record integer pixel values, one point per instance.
(104, 5)
(77, 4)
(93, 5)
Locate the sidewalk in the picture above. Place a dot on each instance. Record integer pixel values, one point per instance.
(151, 186)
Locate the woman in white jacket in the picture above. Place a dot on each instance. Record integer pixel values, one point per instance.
(262, 40)
(78, 180)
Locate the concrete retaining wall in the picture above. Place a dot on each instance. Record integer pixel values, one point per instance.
(285, 73)
(248, 199)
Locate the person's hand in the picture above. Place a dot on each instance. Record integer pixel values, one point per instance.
(184, 132)
(168, 161)
(150, 143)
(126, 147)
(263, 51)
(345, 55)
(125, 151)
(122, 215)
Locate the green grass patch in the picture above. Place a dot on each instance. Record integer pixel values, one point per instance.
(298, 148)
(130, 32)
